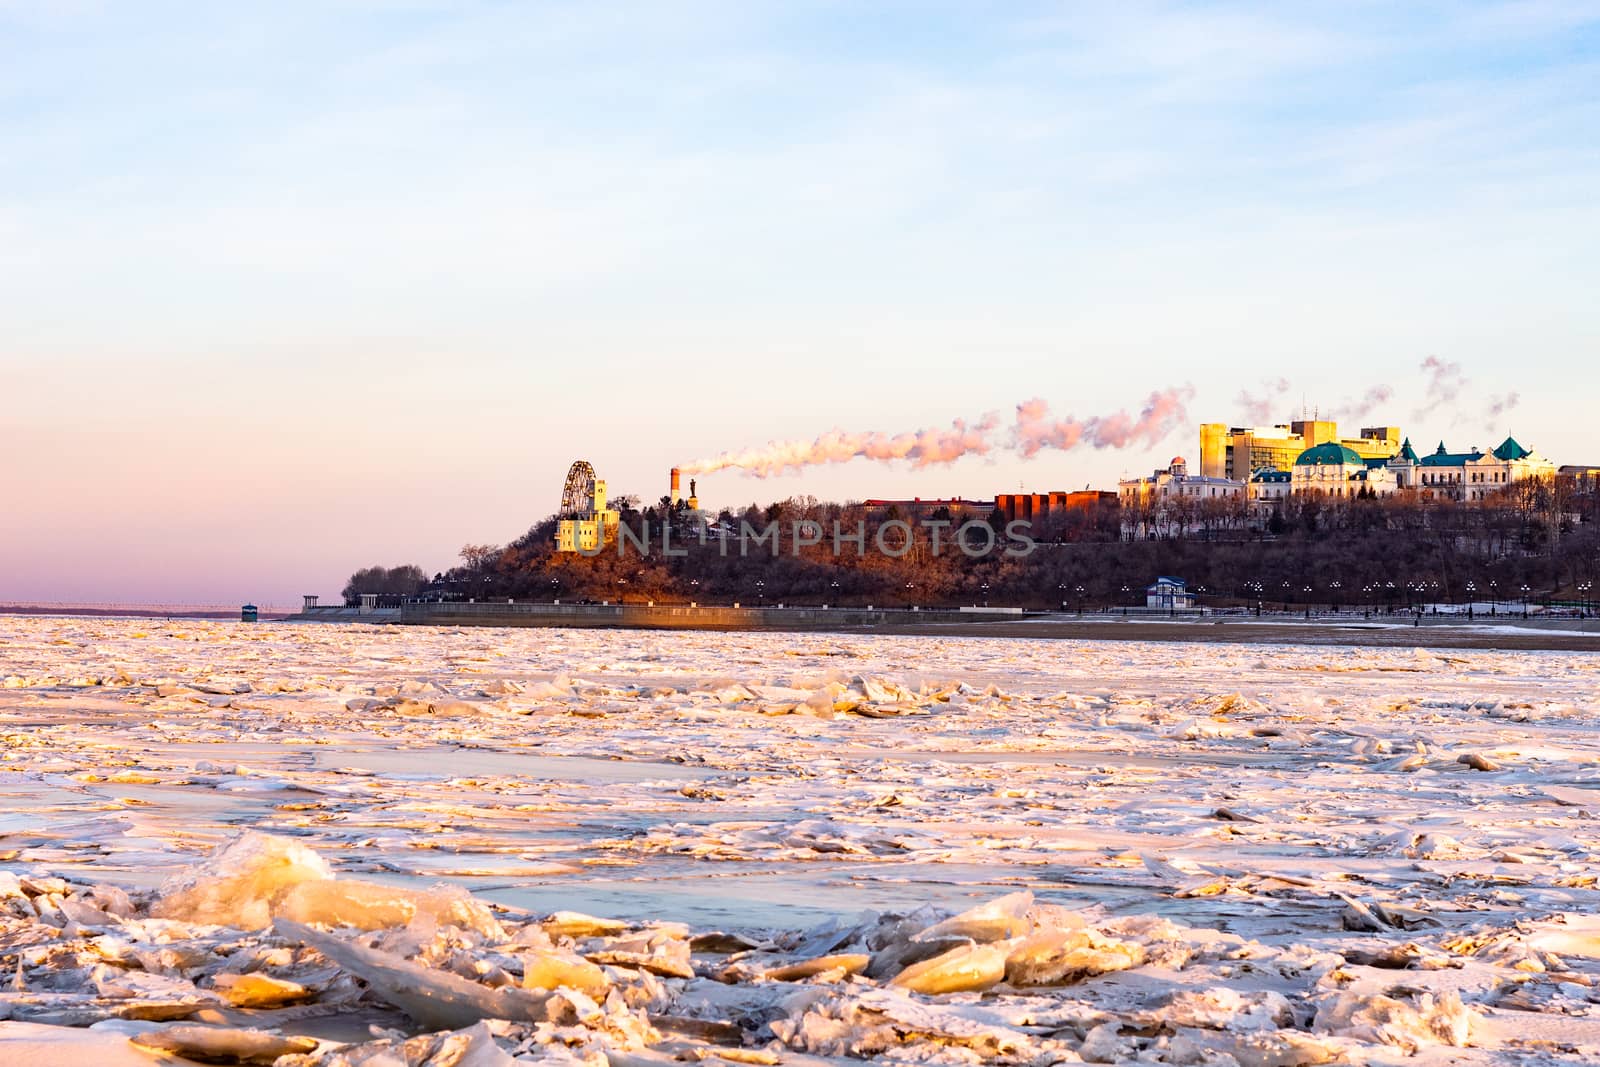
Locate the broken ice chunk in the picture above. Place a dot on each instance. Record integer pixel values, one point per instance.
(433, 998)
(237, 885)
(966, 967)
(258, 990)
(214, 1044)
(1067, 956)
(550, 969)
(994, 920)
(374, 906)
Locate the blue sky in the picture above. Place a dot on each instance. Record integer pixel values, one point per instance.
(302, 287)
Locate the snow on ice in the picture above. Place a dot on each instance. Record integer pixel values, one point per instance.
(371, 847)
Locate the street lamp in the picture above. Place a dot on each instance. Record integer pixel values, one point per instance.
(1062, 589)
(834, 585)
(984, 587)
(1336, 586)
(1307, 592)
(1472, 589)
(1524, 600)
(761, 593)
(1583, 593)
(1494, 597)
(694, 590)
(1079, 591)
(909, 587)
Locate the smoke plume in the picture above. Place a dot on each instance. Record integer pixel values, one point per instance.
(920, 448)
(1361, 407)
(1259, 409)
(1444, 384)
(1164, 411)
(1033, 430)
(1499, 405)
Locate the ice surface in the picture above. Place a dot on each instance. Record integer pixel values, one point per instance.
(644, 848)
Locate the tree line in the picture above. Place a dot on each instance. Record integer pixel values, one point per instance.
(1388, 551)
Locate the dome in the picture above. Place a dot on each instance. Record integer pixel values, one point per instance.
(1331, 453)
(1178, 461)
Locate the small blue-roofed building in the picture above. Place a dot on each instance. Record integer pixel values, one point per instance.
(1169, 594)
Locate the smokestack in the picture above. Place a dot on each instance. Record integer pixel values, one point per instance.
(674, 487)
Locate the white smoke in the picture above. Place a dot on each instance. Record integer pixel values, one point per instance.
(1033, 430)
(1260, 409)
(1499, 405)
(1443, 386)
(1364, 405)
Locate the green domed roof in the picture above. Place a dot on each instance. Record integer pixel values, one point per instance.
(1331, 453)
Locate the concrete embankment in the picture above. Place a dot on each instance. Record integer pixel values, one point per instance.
(686, 617)
(1442, 631)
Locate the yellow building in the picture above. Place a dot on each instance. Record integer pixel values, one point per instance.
(1238, 452)
(585, 522)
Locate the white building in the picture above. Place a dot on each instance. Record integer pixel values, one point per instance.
(1170, 498)
(1470, 475)
(1268, 486)
(1336, 470)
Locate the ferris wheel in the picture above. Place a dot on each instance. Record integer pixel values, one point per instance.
(577, 496)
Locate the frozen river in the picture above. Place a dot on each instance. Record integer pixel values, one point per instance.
(1329, 852)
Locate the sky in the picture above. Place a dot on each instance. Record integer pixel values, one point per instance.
(291, 289)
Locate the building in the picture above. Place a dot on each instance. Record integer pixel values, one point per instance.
(1169, 594)
(1170, 499)
(1238, 452)
(916, 509)
(1336, 470)
(585, 523)
(1585, 476)
(1267, 486)
(1470, 475)
(1042, 507)
(1175, 481)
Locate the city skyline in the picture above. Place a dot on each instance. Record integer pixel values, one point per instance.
(328, 286)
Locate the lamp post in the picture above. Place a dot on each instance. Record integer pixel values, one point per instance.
(622, 592)
(1062, 590)
(761, 593)
(1524, 600)
(555, 590)
(1126, 590)
(1494, 597)
(1472, 589)
(1079, 591)
(1286, 596)
(984, 587)
(1308, 601)
(1334, 596)
(909, 588)
(834, 586)
(1583, 593)
(694, 591)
